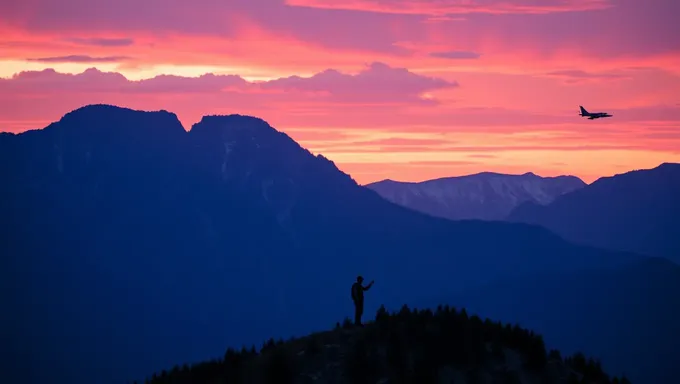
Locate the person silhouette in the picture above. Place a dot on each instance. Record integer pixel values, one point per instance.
(358, 299)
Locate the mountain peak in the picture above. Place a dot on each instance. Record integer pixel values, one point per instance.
(388, 182)
(106, 117)
(109, 109)
(236, 121)
(249, 151)
(669, 166)
(235, 125)
(242, 130)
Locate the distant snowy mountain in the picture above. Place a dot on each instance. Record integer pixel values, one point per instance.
(484, 196)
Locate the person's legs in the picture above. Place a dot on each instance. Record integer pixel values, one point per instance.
(358, 311)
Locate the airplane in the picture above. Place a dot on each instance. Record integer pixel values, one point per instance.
(592, 115)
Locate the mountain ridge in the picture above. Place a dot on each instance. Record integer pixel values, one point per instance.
(472, 175)
(634, 211)
(484, 195)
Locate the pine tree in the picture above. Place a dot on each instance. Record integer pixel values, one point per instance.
(382, 317)
(555, 355)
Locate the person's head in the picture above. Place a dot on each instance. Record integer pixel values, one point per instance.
(360, 279)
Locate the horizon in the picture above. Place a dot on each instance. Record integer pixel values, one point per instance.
(386, 89)
(188, 128)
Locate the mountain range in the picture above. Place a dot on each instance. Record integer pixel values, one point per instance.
(484, 196)
(635, 211)
(132, 245)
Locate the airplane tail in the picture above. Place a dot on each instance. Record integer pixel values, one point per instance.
(583, 111)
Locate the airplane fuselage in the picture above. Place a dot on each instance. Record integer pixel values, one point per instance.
(593, 115)
(598, 115)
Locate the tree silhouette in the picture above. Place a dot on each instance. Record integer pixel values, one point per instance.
(407, 346)
(555, 355)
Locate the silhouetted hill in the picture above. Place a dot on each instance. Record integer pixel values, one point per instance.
(484, 196)
(636, 211)
(132, 244)
(628, 317)
(408, 346)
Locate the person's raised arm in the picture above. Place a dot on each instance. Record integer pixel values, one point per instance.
(366, 288)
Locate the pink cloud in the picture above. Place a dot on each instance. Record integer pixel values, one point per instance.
(629, 33)
(306, 135)
(311, 100)
(456, 55)
(357, 148)
(401, 141)
(600, 29)
(130, 15)
(101, 41)
(203, 18)
(379, 82)
(649, 113)
(452, 7)
(579, 76)
(376, 83)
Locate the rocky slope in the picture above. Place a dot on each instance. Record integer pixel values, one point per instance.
(484, 196)
(635, 211)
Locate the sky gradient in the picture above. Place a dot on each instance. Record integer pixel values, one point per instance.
(401, 89)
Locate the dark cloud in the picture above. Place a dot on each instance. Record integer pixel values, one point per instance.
(80, 59)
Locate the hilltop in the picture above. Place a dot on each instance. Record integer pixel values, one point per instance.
(408, 346)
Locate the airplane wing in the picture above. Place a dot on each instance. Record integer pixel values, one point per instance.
(591, 118)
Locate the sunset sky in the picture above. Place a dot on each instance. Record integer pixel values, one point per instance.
(401, 89)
